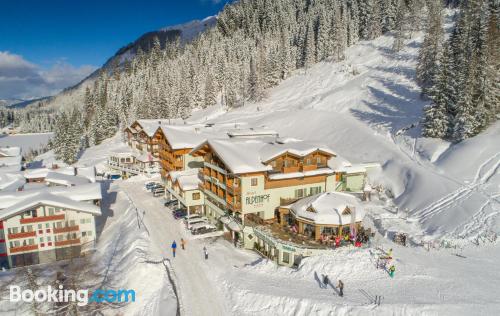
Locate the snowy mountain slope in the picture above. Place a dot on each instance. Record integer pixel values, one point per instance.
(73, 96)
(368, 108)
(193, 28)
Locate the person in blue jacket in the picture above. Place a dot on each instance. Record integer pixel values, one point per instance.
(174, 246)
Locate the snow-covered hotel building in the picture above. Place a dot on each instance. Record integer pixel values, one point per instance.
(47, 224)
(248, 179)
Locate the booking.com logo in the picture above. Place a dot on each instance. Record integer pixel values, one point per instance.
(59, 294)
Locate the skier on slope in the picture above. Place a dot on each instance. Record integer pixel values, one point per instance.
(205, 251)
(341, 288)
(174, 246)
(183, 243)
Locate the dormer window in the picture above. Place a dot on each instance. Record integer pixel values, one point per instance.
(346, 211)
(311, 209)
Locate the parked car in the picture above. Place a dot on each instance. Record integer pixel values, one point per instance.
(192, 216)
(170, 203)
(150, 185)
(158, 191)
(155, 186)
(202, 228)
(179, 213)
(196, 220)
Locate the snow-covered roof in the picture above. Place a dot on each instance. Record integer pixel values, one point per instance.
(10, 159)
(291, 175)
(10, 151)
(66, 170)
(150, 126)
(36, 173)
(189, 182)
(11, 181)
(340, 164)
(87, 172)
(329, 208)
(239, 155)
(65, 179)
(252, 132)
(295, 147)
(250, 155)
(187, 179)
(146, 157)
(184, 137)
(48, 198)
(10, 168)
(84, 192)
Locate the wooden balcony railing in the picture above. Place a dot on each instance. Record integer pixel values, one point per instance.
(68, 242)
(23, 248)
(66, 229)
(291, 169)
(22, 235)
(309, 167)
(42, 219)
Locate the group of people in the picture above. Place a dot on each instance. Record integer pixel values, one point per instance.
(183, 246)
(385, 260)
(340, 285)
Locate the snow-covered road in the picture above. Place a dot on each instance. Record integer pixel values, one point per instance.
(198, 296)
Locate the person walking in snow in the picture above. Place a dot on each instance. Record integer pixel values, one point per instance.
(392, 269)
(341, 288)
(205, 251)
(326, 281)
(183, 244)
(174, 246)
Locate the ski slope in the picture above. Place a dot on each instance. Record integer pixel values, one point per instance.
(367, 108)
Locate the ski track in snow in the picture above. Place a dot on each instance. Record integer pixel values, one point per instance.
(464, 192)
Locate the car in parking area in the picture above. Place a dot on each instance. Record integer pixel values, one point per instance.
(158, 191)
(170, 203)
(178, 214)
(202, 228)
(193, 221)
(192, 216)
(150, 186)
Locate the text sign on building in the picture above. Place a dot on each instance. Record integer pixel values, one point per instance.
(257, 199)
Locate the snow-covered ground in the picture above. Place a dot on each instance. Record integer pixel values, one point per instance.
(25, 141)
(239, 282)
(366, 108)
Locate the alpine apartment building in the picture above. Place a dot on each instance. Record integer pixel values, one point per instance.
(48, 224)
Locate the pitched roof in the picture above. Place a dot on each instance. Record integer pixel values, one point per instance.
(11, 181)
(250, 155)
(47, 198)
(84, 192)
(150, 126)
(295, 147)
(65, 179)
(328, 208)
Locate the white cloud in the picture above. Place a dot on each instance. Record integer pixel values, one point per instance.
(20, 79)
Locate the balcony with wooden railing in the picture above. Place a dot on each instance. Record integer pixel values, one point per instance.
(68, 242)
(23, 248)
(42, 219)
(66, 229)
(291, 169)
(22, 235)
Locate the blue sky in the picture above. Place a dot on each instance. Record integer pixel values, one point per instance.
(63, 38)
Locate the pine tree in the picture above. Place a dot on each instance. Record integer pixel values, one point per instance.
(431, 47)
